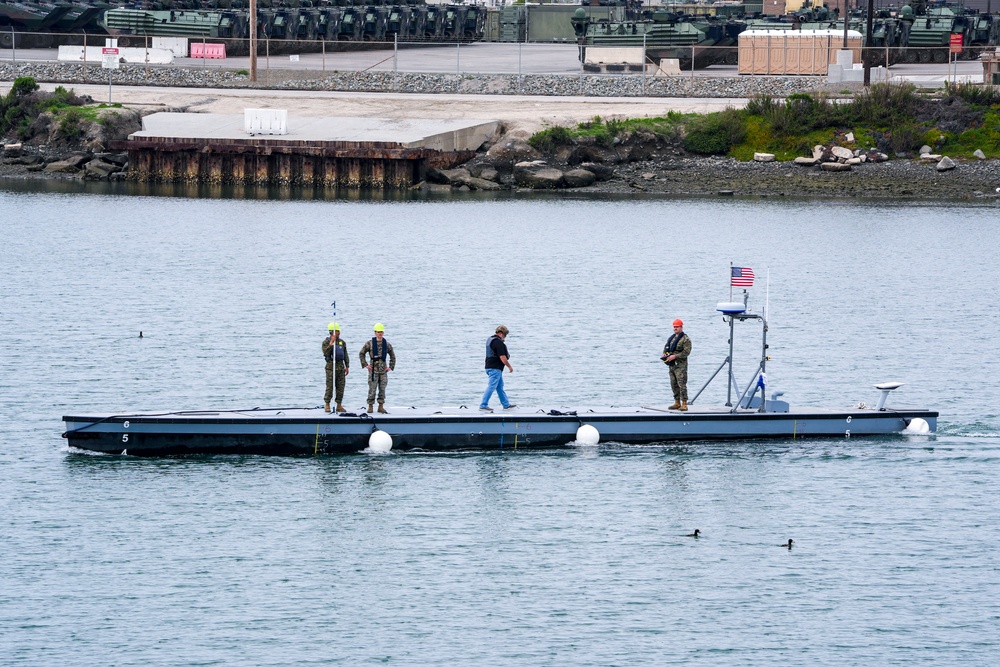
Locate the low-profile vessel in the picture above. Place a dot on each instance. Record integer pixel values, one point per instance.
(746, 415)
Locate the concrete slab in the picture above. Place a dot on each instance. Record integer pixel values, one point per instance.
(437, 134)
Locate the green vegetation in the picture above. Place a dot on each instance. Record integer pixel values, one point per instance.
(28, 112)
(892, 118)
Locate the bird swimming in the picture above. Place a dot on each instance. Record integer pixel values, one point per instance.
(696, 533)
(787, 544)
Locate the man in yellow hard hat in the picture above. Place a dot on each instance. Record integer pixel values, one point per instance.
(675, 355)
(379, 349)
(335, 352)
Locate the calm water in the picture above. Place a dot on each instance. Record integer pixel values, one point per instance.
(545, 558)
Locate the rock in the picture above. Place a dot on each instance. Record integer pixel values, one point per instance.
(120, 159)
(946, 164)
(488, 173)
(437, 188)
(98, 170)
(12, 150)
(979, 154)
(849, 137)
(835, 166)
(818, 152)
(579, 178)
(924, 149)
(600, 171)
(480, 184)
(537, 175)
(509, 151)
(842, 153)
(763, 157)
(853, 161)
(648, 176)
(930, 157)
(806, 161)
(448, 176)
(118, 176)
(69, 165)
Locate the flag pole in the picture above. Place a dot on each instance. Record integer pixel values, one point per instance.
(730, 282)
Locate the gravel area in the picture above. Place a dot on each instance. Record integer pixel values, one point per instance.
(588, 85)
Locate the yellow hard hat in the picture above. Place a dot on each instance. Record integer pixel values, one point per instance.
(379, 327)
(333, 327)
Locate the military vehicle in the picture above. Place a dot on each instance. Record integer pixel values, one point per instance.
(707, 40)
(279, 20)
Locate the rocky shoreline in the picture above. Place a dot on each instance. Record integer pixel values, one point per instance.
(666, 174)
(637, 163)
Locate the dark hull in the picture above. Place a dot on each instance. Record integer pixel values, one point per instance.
(307, 432)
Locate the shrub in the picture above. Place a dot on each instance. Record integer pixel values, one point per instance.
(550, 138)
(71, 124)
(715, 133)
(974, 94)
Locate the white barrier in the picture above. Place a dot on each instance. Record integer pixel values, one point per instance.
(265, 121)
(74, 54)
(176, 45)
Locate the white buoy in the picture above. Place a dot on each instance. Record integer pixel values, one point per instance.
(917, 425)
(587, 435)
(380, 442)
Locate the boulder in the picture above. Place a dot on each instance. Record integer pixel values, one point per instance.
(509, 151)
(835, 166)
(806, 161)
(818, 152)
(69, 165)
(853, 161)
(448, 176)
(579, 178)
(537, 175)
(979, 154)
(924, 149)
(12, 150)
(120, 159)
(600, 171)
(480, 184)
(98, 170)
(946, 164)
(849, 137)
(930, 157)
(763, 157)
(488, 173)
(841, 153)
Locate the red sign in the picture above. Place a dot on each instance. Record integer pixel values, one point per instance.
(956, 42)
(106, 51)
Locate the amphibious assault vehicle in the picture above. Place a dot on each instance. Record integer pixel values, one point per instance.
(26, 24)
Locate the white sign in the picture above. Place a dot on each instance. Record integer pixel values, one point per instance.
(293, 58)
(109, 58)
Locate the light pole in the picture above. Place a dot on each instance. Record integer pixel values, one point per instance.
(253, 40)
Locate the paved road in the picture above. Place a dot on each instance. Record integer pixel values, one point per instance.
(529, 113)
(481, 58)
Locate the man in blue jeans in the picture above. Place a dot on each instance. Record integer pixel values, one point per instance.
(496, 358)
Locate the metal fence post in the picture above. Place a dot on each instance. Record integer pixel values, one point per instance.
(13, 44)
(643, 64)
(519, 68)
(84, 56)
(395, 62)
(203, 52)
(323, 47)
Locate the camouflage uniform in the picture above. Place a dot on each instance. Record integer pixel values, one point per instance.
(377, 376)
(341, 366)
(679, 366)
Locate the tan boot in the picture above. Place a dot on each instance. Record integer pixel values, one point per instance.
(327, 408)
(381, 408)
(684, 406)
(676, 405)
(370, 407)
(340, 408)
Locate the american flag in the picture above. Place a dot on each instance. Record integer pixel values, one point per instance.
(742, 277)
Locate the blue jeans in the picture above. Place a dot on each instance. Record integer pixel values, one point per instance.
(495, 376)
